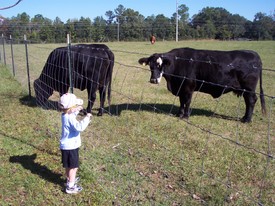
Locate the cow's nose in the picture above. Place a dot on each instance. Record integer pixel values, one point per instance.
(153, 81)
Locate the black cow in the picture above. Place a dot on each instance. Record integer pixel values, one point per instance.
(213, 72)
(92, 67)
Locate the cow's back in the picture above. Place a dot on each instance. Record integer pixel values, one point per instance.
(89, 62)
(215, 66)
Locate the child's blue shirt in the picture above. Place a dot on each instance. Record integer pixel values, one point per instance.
(71, 128)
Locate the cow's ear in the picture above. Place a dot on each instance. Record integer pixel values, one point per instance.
(143, 61)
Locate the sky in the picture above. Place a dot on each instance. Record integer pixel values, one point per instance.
(71, 9)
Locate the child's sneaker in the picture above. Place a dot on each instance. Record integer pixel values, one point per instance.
(77, 179)
(73, 190)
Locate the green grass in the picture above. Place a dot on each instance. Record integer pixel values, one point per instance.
(137, 156)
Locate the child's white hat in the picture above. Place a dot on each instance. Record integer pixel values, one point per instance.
(69, 100)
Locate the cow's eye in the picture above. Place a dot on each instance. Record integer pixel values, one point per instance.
(158, 65)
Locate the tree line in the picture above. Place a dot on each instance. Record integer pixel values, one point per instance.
(125, 24)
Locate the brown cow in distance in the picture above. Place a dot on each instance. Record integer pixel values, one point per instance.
(152, 39)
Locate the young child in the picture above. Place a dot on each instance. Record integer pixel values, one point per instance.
(70, 140)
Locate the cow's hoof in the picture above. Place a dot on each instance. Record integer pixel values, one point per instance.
(182, 116)
(99, 114)
(245, 120)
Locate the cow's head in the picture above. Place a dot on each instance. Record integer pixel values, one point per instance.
(157, 63)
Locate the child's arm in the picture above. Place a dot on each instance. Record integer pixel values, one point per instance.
(81, 125)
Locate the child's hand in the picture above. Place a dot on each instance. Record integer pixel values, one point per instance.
(89, 115)
(79, 108)
(75, 109)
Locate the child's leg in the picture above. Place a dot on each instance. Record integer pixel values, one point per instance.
(71, 174)
(72, 187)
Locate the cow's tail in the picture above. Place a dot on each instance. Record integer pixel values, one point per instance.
(262, 95)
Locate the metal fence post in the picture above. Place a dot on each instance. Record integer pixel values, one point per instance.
(69, 63)
(12, 57)
(27, 62)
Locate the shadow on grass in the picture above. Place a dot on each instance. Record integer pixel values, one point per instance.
(31, 102)
(168, 109)
(156, 108)
(28, 162)
(28, 101)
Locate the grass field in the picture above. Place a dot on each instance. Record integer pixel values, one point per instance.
(141, 154)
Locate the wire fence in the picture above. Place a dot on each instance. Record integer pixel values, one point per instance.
(212, 150)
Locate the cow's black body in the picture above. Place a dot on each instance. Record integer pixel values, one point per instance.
(92, 67)
(213, 72)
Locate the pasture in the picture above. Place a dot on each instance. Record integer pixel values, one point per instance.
(141, 154)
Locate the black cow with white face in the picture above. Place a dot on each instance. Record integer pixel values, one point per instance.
(213, 72)
(92, 67)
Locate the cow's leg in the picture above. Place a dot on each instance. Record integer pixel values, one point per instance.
(91, 100)
(62, 90)
(250, 100)
(185, 101)
(102, 94)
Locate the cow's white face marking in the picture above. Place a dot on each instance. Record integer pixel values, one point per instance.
(159, 61)
(160, 76)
